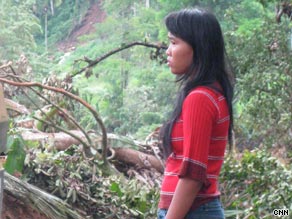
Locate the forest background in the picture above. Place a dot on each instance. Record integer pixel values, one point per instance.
(55, 41)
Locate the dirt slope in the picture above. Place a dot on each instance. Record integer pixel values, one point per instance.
(94, 15)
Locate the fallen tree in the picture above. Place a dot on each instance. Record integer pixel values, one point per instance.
(76, 173)
(126, 154)
(35, 198)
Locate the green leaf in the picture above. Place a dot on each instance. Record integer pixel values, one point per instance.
(16, 155)
(116, 188)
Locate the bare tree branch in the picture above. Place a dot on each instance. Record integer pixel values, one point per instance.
(86, 147)
(54, 105)
(286, 8)
(78, 99)
(92, 63)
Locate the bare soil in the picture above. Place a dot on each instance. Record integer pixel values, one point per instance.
(94, 15)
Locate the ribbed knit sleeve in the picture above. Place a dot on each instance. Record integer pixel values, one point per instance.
(199, 114)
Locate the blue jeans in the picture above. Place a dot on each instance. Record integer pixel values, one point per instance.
(210, 210)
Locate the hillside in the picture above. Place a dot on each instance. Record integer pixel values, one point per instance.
(94, 15)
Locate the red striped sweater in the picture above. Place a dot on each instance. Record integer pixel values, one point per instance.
(198, 140)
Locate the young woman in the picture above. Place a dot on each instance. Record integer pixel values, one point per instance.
(195, 136)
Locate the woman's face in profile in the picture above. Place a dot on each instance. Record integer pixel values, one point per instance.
(179, 55)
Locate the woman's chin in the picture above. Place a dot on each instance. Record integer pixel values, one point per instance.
(175, 72)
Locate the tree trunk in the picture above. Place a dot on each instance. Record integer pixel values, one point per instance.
(61, 141)
(46, 31)
(147, 3)
(15, 107)
(27, 197)
(52, 7)
(138, 158)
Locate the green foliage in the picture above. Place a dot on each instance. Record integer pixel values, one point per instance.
(15, 154)
(142, 201)
(62, 17)
(244, 18)
(17, 28)
(256, 184)
(122, 85)
(81, 183)
(262, 66)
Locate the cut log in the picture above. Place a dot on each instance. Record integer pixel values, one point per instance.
(138, 158)
(59, 140)
(35, 198)
(27, 123)
(16, 107)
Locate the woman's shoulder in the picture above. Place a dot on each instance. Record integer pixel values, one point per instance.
(204, 95)
(211, 92)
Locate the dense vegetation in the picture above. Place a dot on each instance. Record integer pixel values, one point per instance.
(133, 90)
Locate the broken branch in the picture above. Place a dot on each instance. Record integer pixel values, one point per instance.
(92, 63)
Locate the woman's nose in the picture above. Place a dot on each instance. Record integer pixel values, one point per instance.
(168, 51)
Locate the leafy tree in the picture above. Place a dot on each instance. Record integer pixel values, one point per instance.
(17, 28)
(255, 184)
(261, 58)
(124, 89)
(59, 18)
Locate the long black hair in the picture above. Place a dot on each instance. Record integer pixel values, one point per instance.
(201, 30)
